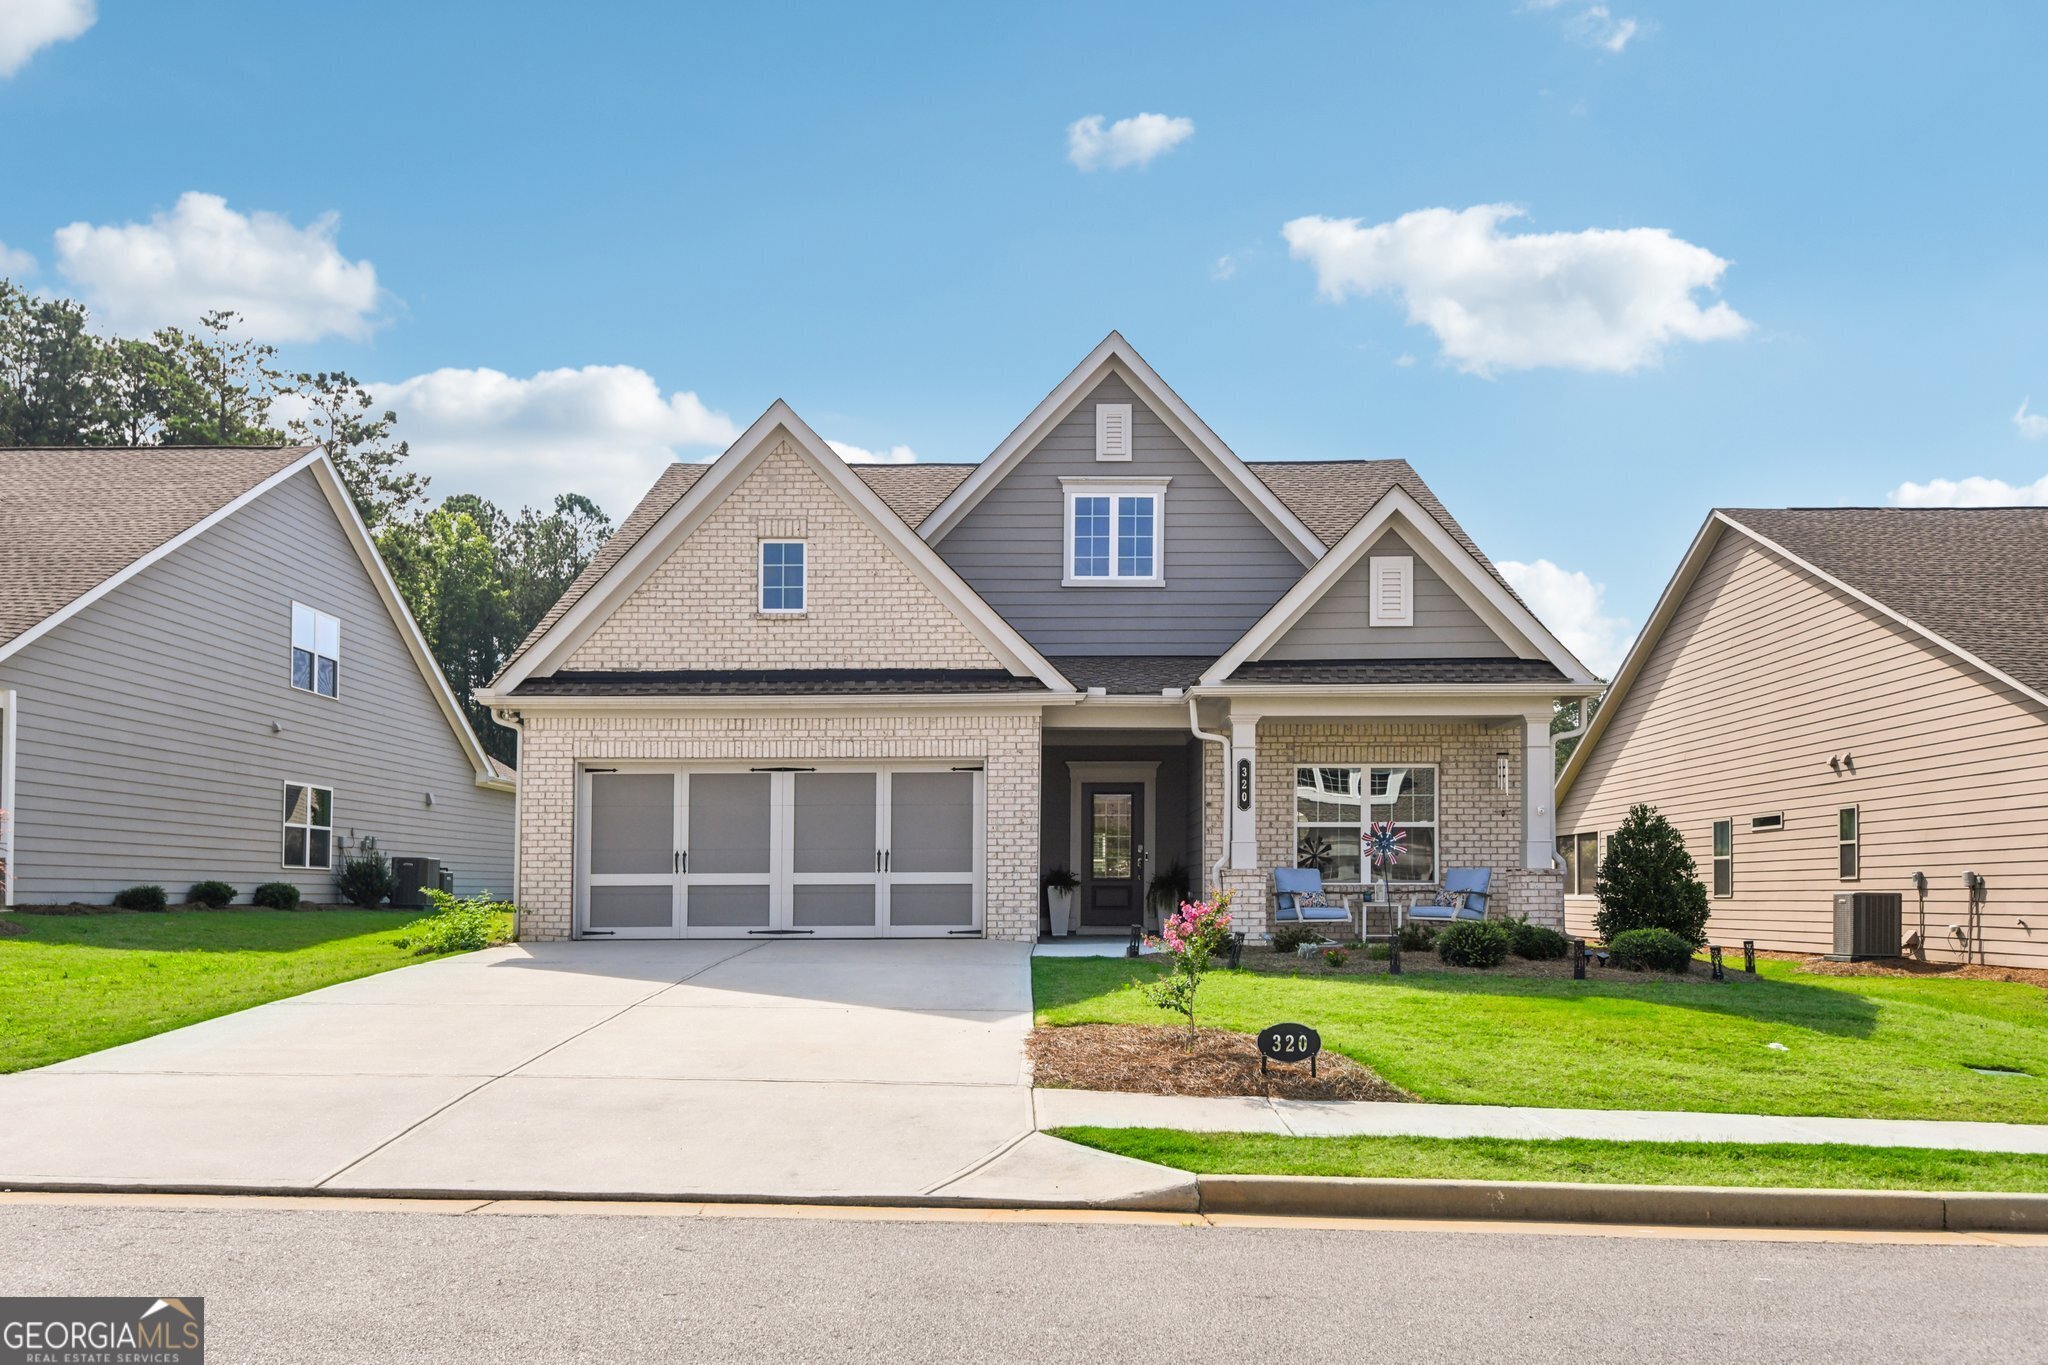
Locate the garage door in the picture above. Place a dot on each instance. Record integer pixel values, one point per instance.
(780, 852)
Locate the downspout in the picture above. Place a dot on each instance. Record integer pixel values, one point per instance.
(1195, 728)
(1558, 737)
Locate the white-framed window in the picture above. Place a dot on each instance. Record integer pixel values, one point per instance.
(782, 577)
(1115, 533)
(316, 651)
(1724, 857)
(1112, 431)
(1334, 803)
(1767, 824)
(1392, 586)
(308, 825)
(1849, 843)
(1579, 854)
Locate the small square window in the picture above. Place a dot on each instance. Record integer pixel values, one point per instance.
(782, 576)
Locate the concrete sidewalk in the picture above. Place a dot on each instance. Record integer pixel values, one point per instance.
(1347, 1118)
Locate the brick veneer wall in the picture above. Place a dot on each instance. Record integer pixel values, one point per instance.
(864, 607)
(551, 746)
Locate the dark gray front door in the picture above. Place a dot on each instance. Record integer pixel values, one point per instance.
(1113, 870)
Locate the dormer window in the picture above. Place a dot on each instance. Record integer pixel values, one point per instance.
(1115, 533)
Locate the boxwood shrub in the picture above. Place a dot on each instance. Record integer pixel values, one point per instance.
(212, 895)
(142, 898)
(1537, 942)
(1475, 943)
(1656, 950)
(275, 896)
(1289, 937)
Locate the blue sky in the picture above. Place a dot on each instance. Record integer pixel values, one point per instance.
(1767, 254)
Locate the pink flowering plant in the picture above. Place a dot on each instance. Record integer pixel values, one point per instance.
(1190, 937)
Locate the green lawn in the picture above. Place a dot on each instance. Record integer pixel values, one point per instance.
(75, 984)
(1783, 1165)
(1864, 1046)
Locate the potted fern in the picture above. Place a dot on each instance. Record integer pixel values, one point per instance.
(1167, 892)
(1060, 886)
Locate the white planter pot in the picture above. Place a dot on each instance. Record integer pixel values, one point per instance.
(1061, 907)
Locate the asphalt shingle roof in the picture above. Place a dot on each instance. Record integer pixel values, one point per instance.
(70, 519)
(1976, 576)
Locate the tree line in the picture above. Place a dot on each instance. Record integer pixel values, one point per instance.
(475, 577)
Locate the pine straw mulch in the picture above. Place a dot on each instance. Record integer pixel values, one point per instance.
(1156, 1061)
(1912, 966)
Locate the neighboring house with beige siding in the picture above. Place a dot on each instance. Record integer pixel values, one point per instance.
(797, 697)
(1836, 699)
(207, 674)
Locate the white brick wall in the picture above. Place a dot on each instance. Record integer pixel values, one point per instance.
(551, 746)
(864, 607)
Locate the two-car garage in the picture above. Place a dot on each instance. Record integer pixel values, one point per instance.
(777, 849)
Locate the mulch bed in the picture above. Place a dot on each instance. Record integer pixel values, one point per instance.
(79, 908)
(1423, 960)
(1909, 966)
(1156, 1061)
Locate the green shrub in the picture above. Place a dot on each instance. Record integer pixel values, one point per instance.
(142, 898)
(1648, 881)
(365, 876)
(275, 896)
(1416, 938)
(1379, 952)
(212, 895)
(1475, 943)
(1289, 937)
(1656, 950)
(456, 926)
(1335, 957)
(1537, 942)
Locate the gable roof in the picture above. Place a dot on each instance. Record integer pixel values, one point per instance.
(1116, 356)
(1972, 581)
(664, 530)
(73, 520)
(1462, 567)
(1332, 496)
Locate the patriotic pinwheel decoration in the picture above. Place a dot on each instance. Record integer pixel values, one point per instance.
(1385, 842)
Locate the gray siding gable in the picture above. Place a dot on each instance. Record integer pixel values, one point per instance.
(1335, 627)
(1223, 567)
(145, 749)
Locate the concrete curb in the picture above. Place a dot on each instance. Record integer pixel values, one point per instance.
(1697, 1205)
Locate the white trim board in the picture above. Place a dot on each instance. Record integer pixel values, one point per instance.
(9, 817)
(1703, 544)
(727, 473)
(1114, 355)
(1430, 542)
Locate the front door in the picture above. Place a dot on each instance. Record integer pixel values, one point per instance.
(1113, 876)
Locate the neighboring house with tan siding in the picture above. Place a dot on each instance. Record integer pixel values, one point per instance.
(1835, 699)
(207, 674)
(798, 697)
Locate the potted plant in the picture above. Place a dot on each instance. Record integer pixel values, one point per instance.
(1167, 892)
(1060, 886)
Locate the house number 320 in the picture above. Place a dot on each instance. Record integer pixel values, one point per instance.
(1244, 784)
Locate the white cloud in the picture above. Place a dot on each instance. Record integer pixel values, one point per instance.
(855, 455)
(1574, 607)
(29, 26)
(1974, 491)
(1127, 142)
(1404, 361)
(605, 431)
(1603, 299)
(14, 262)
(1595, 27)
(1225, 267)
(289, 283)
(2032, 425)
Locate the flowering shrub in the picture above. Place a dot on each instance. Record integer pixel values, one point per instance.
(1190, 936)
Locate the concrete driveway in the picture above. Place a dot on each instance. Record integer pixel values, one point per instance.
(815, 1070)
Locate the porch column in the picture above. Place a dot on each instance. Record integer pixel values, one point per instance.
(1539, 816)
(1241, 789)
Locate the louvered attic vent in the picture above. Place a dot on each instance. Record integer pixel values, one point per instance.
(1112, 431)
(1392, 587)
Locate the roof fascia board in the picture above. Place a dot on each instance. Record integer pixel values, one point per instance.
(1452, 561)
(823, 704)
(1117, 356)
(184, 537)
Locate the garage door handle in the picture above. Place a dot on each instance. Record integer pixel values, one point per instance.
(885, 859)
(878, 860)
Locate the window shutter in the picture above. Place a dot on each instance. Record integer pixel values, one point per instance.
(1392, 588)
(1112, 431)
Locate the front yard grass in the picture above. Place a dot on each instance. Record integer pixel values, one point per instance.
(70, 985)
(1777, 1165)
(1853, 1046)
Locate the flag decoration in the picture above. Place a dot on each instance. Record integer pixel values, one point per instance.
(1386, 842)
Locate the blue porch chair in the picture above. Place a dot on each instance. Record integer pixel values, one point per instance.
(1473, 881)
(1294, 885)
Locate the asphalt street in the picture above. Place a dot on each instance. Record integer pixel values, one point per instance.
(299, 1285)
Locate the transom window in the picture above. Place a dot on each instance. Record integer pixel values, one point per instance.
(316, 651)
(308, 826)
(1333, 805)
(782, 576)
(1114, 534)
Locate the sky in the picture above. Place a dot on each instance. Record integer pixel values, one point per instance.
(1592, 268)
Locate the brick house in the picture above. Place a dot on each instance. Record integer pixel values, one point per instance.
(798, 697)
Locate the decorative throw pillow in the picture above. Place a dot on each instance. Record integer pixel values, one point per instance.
(1320, 902)
(1455, 900)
